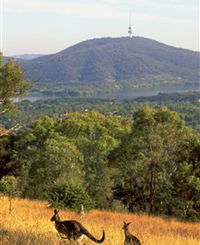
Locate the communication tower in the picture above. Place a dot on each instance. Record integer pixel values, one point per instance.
(130, 32)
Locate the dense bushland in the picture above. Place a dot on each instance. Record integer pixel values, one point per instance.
(149, 163)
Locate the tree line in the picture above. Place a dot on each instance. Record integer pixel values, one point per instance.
(186, 104)
(149, 163)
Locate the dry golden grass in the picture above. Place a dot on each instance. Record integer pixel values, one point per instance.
(29, 224)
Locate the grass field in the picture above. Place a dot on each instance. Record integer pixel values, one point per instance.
(29, 224)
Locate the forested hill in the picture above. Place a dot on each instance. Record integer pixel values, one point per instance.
(110, 60)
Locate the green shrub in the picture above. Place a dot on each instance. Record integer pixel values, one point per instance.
(9, 187)
(67, 195)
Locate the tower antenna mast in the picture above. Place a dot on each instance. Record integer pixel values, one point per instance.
(130, 25)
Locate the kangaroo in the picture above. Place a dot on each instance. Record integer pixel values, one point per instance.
(129, 238)
(72, 229)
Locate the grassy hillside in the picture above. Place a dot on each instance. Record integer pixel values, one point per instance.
(29, 223)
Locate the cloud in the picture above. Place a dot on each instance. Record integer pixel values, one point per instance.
(48, 6)
(84, 9)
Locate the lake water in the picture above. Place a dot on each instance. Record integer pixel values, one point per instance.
(33, 98)
(126, 94)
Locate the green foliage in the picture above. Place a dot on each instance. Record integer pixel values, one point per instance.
(12, 84)
(70, 196)
(6, 148)
(75, 149)
(95, 138)
(147, 163)
(186, 104)
(187, 179)
(46, 157)
(148, 181)
(9, 187)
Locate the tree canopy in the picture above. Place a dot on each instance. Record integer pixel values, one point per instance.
(147, 163)
(12, 84)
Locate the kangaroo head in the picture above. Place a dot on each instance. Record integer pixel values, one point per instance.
(55, 217)
(125, 226)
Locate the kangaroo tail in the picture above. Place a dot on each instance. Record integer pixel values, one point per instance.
(93, 238)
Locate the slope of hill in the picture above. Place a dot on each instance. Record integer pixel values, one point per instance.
(32, 225)
(115, 60)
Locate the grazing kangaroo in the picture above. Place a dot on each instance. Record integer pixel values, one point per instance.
(129, 238)
(72, 229)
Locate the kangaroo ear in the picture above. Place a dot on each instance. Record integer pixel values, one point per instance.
(56, 211)
(129, 223)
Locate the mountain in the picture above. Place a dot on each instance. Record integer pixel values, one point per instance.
(122, 60)
(26, 56)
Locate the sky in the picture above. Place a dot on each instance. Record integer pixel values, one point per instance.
(49, 26)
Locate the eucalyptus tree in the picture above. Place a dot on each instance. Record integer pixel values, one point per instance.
(147, 160)
(12, 85)
(95, 136)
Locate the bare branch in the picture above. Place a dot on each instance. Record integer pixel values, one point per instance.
(4, 132)
(4, 111)
(15, 128)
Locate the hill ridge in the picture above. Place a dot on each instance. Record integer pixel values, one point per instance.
(103, 60)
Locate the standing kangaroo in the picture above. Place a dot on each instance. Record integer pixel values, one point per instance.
(129, 238)
(72, 229)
